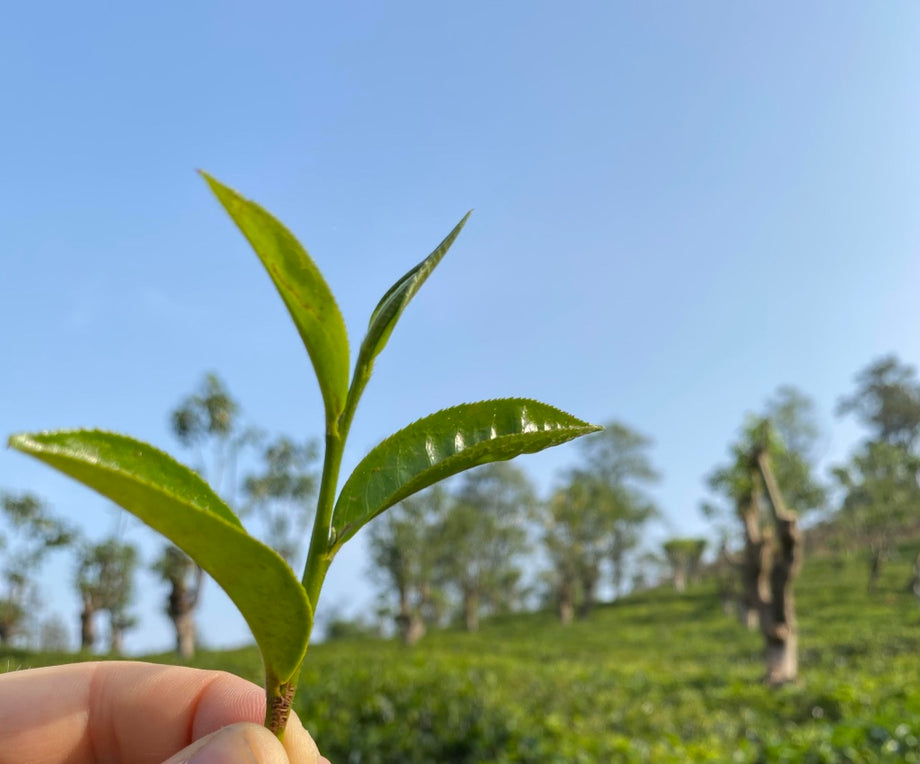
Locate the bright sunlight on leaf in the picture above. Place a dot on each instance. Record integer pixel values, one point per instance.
(176, 502)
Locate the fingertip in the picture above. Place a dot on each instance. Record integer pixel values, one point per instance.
(242, 743)
(299, 744)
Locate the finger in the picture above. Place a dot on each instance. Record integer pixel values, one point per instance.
(118, 711)
(299, 745)
(243, 743)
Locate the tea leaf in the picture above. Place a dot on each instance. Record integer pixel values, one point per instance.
(303, 289)
(173, 500)
(397, 297)
(443, 444)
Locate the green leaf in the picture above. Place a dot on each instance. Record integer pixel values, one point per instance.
(443, 444)
(392, 304)
(175, 501)
(303, 289)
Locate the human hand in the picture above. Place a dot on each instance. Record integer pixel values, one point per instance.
(140, 713)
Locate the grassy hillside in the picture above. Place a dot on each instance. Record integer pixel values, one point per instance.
(659, 677)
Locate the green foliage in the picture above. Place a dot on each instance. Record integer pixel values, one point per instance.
(209, 413)
(32, 532)
(881, 499)
(282, 491)
(787, 431)
(578, 525)
(609, 506)
(176, 502)
(684, 556)
(653, 678)
(405, 546)
(887, 400)
(105, 577)
(656, 677)
(483, 537)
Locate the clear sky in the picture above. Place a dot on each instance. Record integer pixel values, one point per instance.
(678, 208)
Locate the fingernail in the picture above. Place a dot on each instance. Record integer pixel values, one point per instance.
(227, 746)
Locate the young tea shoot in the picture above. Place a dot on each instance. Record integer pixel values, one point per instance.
(175, 501)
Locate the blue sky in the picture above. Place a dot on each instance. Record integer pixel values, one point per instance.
(678, 208)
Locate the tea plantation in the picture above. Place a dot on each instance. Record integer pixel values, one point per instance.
(656, 677)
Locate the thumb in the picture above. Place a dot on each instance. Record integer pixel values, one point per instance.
(244, 743)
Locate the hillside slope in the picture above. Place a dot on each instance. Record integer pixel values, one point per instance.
(657, 677)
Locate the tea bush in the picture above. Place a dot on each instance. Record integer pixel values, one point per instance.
(657, 677)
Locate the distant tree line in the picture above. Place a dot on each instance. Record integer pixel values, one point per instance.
(486, 543)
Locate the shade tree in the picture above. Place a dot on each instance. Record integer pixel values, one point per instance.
(684, 556)
(406, 546)
(484, 538)
(576, 543)
(280, 493)
(887, 402)
(105, 583)
(185, 580)
(207, 423)
(617, 463)
(31, 531)
(881, 499)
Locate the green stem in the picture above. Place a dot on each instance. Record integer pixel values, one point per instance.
(318, 557)
(279, 695)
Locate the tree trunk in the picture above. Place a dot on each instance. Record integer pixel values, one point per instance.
(87, 627)
(914, 585)
(778, 621)
(565, 601)
(588, 593)
(680, 577)
(752, 567)
(471, 609)
(116, 636)
(181, 608)
(779, 624)
(726, 567)
(411, 628)
(116, 642)
(409, 622)
(617, 564)
(184, 624)
(877, 556)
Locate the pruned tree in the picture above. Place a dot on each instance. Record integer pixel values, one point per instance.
(32, 531)
(793, 441)
(405, 547)
(185, 580)
(484, 536)
(281, 492)
(772, 543)
(882, 496)
(684, 556)
(105, 581)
